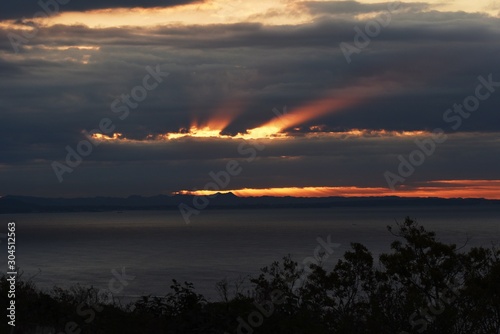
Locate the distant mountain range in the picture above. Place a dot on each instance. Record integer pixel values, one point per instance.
(26, 204)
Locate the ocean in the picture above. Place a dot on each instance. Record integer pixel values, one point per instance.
(154, 247)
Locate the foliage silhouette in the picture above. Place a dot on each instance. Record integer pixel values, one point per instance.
(421, 286)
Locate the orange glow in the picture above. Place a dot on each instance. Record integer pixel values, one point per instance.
(101, 137)
(489, 189)
(272, 129)
(270, 12)
(364, 133)
(211, 128)
(335, 101)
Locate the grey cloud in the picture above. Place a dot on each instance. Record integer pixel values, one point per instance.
(186, 165)
(48, 96)
(28, 8)
(355, 7)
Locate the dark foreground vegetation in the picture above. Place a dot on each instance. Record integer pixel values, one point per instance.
(421, 286)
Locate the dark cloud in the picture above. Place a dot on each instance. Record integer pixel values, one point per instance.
(355, 7)
(121, 170)
(28, 8)
(425, 62)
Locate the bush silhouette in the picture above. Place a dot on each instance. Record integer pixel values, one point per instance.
(421, 286)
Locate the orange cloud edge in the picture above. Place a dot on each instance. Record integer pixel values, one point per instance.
(487, 189)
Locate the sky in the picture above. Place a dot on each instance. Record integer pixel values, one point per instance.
(276, 97)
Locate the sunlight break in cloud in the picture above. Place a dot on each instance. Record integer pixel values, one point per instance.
(272, 12)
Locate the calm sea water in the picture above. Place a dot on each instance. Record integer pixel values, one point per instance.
(68, 248)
